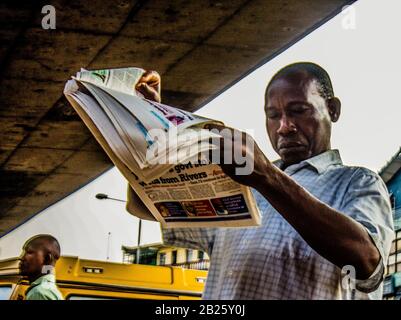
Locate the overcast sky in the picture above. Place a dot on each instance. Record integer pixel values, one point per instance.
(365, 66)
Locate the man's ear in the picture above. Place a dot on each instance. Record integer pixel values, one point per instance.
(334, 107)
(49, 259)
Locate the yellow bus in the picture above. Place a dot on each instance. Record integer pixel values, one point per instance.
(80, 279)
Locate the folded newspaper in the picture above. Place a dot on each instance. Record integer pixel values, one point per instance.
(160, 150)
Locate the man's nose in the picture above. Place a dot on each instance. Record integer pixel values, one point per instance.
(287, 126)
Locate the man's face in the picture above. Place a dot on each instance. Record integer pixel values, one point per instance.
(297, 118)
(32, 261)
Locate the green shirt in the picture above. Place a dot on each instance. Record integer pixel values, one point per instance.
(44, 288)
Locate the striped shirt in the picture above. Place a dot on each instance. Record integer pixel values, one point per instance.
(272, 261)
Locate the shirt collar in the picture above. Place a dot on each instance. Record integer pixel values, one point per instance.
(320, 162)
(45, 278)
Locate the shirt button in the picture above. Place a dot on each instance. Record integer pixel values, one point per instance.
(230, 273)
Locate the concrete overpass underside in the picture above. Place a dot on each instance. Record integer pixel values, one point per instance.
(199, 47)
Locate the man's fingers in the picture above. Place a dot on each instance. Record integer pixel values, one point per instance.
(149, 92)
(152, 78)
(223, 143)
(149, 85)
(211, 126)
(220, 129)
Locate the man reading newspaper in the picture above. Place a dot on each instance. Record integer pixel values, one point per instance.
(326, 228)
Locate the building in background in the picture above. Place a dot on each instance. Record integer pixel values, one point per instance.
(391, 174)
(162, 255)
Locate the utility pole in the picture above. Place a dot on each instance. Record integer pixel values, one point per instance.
(108, 245)
(103, 196)
(138, 251)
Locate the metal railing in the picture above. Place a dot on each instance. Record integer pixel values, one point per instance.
(197, 265)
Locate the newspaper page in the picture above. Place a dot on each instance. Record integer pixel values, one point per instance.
(198, 194)
(148, 125)
(184, 191)
(131, 145)
(120, 84)
(217, 201)
(150, 144)
(120, 79)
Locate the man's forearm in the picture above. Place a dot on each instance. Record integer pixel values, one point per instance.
(335, 236)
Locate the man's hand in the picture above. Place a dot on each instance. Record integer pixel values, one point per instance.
(237, 151)
(150, 85)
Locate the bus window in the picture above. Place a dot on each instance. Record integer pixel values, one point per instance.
(78, 297)
(5, 292)
(173, 257)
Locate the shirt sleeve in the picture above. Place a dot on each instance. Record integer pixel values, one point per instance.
(193, 238)
(367, 202)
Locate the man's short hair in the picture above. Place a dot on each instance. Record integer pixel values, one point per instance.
(311, 69)
(43, 240)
